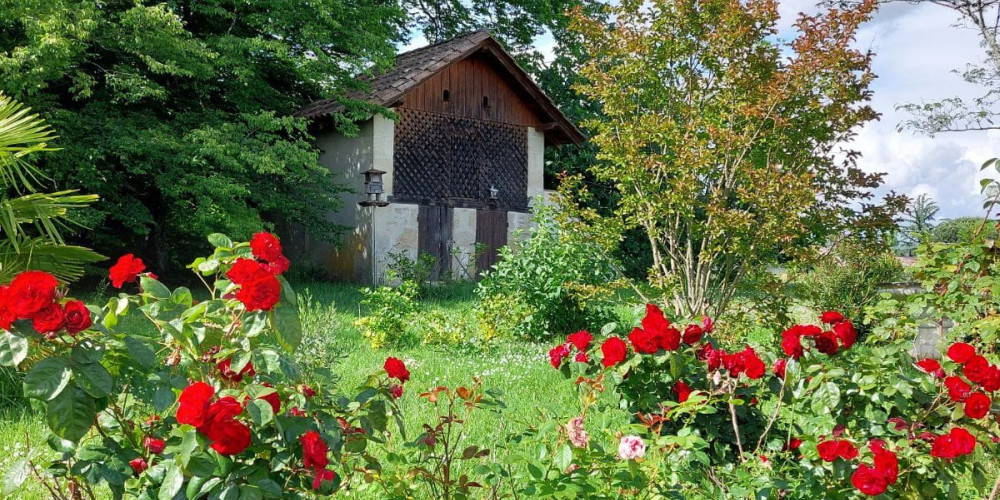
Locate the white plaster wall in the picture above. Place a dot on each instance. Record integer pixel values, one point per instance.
(383, 134)
(536, 163)
(395, 232)
(519, 226)
(463, 235)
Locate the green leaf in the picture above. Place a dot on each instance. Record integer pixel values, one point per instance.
(260, 412)
(15, 476)
(250, 492)
(154, 288)
(71, 414)
(13, 349)
(47, 378)
(220, 240)
(285, 319)
(93, 378)
(269, 488)
(172, 483)
(141, 353)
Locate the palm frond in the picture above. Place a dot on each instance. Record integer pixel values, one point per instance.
(48, 212)
(65, 262)
(21, 134)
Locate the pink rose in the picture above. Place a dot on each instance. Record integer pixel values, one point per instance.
(631, 447)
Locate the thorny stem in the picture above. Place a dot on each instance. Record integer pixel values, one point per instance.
(736, 429)
(774, 416)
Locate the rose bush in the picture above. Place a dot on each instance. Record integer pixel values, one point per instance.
(816, 417)
(208, 404)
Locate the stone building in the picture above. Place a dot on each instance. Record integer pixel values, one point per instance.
(463, 161)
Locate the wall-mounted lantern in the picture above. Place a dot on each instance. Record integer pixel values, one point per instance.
(494, 191)
(373, 192)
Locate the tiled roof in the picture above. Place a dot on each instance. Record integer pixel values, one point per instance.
(414, 67)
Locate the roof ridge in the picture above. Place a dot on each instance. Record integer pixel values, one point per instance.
(456, 38)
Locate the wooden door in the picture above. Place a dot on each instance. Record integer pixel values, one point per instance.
(434, 236)
(491, 232)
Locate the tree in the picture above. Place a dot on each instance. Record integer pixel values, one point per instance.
(726, 145)
(917, 219)
(31, 223)
(956, 114)
(179, 113)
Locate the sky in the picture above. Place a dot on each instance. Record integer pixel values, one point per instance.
(917, 48)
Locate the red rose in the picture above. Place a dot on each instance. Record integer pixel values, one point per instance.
(154, 445)
(791, 343)
(277, 266)
(581, 357)
(30, 292)
(396, 390)
(229, 437)
(977, 405)
(711, 356)
(792, 444)
(273, 399)
(246, 270)
(7, 316)
(707, 324)
(194, 404)
(126, 270)
(845, 333)
(976, 369)
(869, 481)
(265, 246)
(897, 423)
(886, 462)
(960, 352)
(48, 321)
(931, 366)
(991, 381)
(297, 412)
(654, 321)
(669, 339)
(323, 475)
(682, 390)
(956, 443)
(692, 334)
(260, 294)
(958, 389)
(964, 442)
(846, 450)
(139, 465)
(753, 366)
(557, 354)
(580, 339)
(826, 343)
(314, 450)
(396, 369)
(307, 391)
(77, 317)
(779, 367)
(827, 450)
(613, 349)
(227, 373)
(831, 317)
(643, 342)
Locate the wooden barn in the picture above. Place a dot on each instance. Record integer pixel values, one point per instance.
(463, 163)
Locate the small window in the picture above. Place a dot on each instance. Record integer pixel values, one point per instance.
(446, 96)
(486, 102)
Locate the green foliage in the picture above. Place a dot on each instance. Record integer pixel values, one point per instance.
(178, 114)
(390, 312)
(958, 230)
(450, 330)
(416, 271)
(554, 281)
(847, 278)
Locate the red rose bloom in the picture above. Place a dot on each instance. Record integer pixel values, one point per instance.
(791, 343)
(792, 444)
(831, 317)
(580, 339)
(126, 270)
(396, 369)
(314, 450)
(846, 450)
(48, 321)
(958, 389)
(707, 324)
(682, 390)
(277, 266)
(976, 369)
(557, 354)
(779, 367)
(826, 343)
(613, 349)
(265, 246)
(827, 450)
(194, 404)
(227, 373)
(245, 271)
(307, 391)
(260, 294)
(396, 390)
(654, 321)
(643, 342)
(669, 339)
(154, 445)
(977, 405)
(297, 412)
(229, 437)
(991, 381)
(323, 475)
(956, 443)
(753, 366)
(581, 357)
(711, 356)
(273, 399)
(931, 366)
(960, 352)
(139, 465)
(869, 481)
(845, 333)
(77, 317)
(7, 316)
(692, 334)
(30, 292)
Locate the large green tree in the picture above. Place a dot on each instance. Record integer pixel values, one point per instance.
(726, 145)
(179, 113)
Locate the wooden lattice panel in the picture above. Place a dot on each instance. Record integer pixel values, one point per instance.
(446, 159)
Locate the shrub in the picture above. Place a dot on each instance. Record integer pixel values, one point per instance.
(416, 271)
(554, 281)
(390, 311)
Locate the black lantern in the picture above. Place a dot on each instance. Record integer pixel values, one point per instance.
(373, 188)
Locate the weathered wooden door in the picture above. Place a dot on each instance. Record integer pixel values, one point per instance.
(434, 236)
(491, 232)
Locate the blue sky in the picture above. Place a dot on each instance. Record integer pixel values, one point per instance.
(916, 47)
